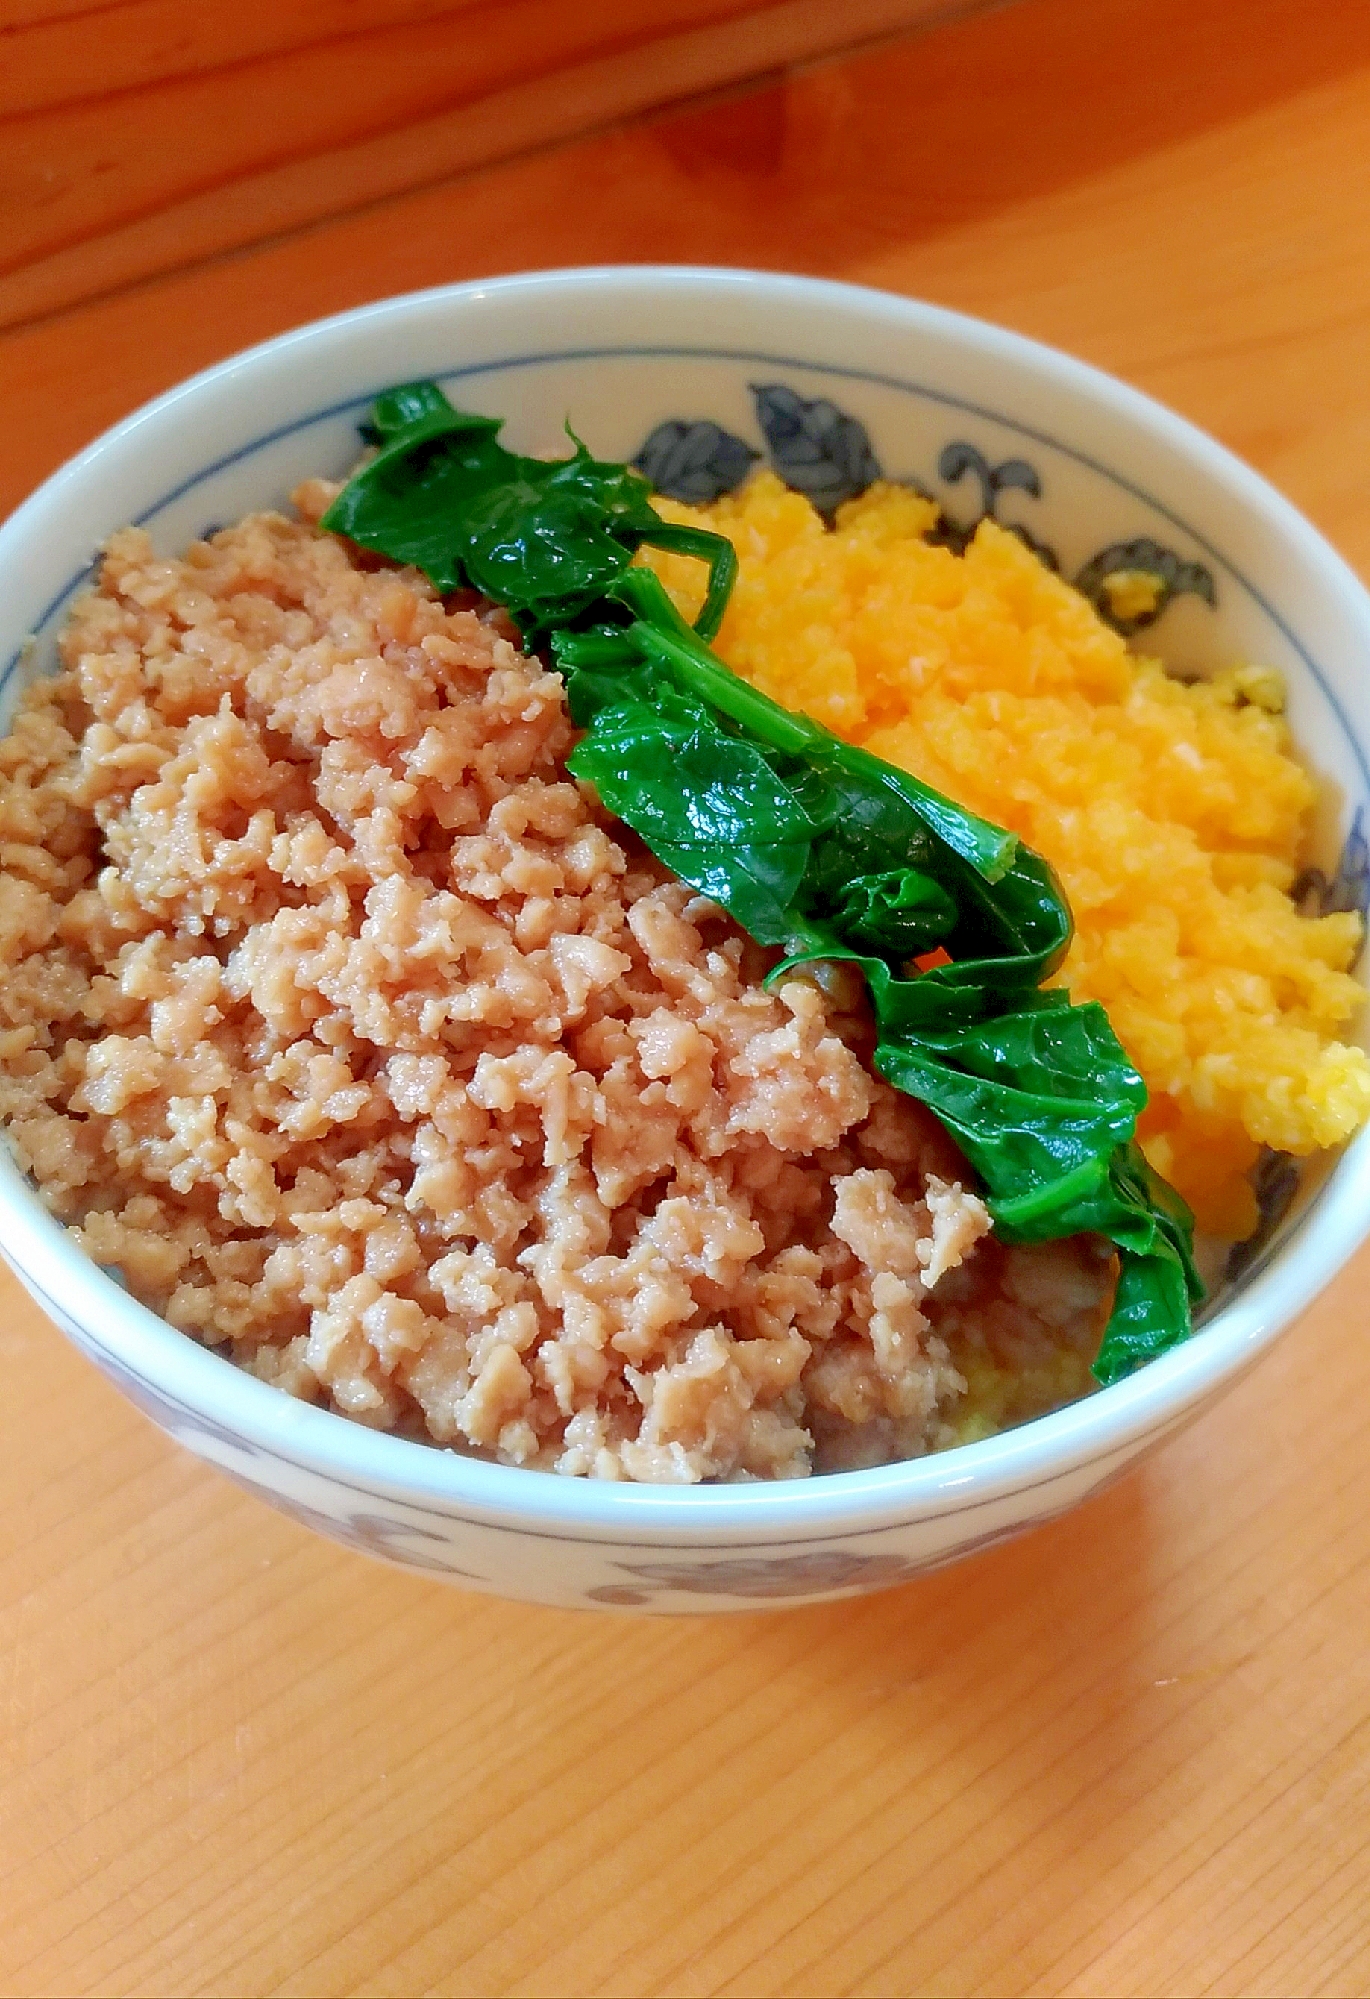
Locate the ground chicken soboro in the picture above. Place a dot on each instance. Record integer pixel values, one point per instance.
(354, 1034)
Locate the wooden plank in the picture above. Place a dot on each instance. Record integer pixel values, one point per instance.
(229, 148)
(109, 159)
(48, 62)
(1128, 1754)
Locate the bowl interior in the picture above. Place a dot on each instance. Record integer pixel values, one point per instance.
(701, 376)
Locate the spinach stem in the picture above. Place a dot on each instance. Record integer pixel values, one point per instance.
(808, 841)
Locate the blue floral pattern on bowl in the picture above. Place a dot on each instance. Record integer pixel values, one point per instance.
(780, 399)
(768, 1578)
(821, 451)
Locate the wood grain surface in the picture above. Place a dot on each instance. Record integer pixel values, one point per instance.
(1129, 1753)
(145, 135)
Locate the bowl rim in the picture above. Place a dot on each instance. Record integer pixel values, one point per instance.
(209, 1389)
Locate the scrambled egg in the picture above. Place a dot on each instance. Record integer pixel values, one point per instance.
(1175, 815)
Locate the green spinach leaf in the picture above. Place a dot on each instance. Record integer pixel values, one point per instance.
(813, 845)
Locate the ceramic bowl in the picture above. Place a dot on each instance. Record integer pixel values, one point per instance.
(702, 374)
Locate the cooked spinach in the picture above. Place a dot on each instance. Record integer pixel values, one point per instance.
(813, 845)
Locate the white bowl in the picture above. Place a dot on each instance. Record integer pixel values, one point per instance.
(620, 351)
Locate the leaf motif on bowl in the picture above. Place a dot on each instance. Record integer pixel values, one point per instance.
(760, 1575)
(1348, 887)
(695, 462)
(960, 459)
(1274, 1181)
(768, 1576)
(1012, 474)
(826, 454)
(188, 1427)
(1129, 583)
(816, 448)
(367, 1533)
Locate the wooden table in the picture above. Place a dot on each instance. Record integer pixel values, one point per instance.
(1129, 1754)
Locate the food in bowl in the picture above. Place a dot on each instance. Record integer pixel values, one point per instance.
(1176, 813)
(365, 1043)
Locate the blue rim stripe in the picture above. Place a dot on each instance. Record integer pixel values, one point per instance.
(841, 372)
(747, 355)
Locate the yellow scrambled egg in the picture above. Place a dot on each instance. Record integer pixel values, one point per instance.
(1175, 815)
